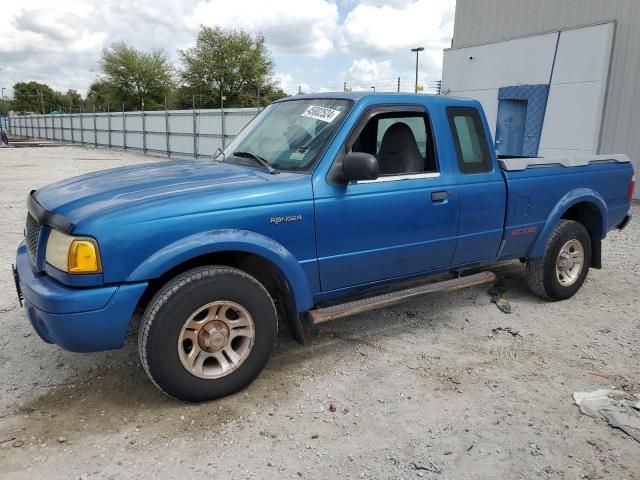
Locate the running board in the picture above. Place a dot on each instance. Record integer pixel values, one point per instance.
(380, 301)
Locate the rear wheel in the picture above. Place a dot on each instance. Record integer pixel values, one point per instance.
(207, 333)
(560, 272)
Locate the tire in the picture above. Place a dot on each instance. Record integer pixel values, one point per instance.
(550, 278)
(165, 340)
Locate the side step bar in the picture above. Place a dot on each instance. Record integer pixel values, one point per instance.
(373, 303)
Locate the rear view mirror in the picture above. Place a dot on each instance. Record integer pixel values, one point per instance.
(360, 166)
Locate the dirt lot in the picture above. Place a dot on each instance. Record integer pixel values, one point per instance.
(448, 387)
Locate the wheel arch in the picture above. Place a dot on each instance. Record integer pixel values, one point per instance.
(582, 205)
(262, 257)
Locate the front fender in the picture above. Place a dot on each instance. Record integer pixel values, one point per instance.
(228, 240)
(569, 200)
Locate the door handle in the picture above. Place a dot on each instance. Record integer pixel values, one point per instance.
(440, 196)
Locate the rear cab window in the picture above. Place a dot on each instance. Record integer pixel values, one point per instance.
(470, 140)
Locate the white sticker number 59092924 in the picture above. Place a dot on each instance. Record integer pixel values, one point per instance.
(323, 114)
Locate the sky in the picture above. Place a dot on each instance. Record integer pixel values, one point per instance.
(316, 44)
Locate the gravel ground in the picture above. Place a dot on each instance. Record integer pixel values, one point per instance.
(447, 387)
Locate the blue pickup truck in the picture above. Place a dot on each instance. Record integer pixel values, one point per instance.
(323, 206)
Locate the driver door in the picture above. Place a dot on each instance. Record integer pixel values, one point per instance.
(403, 223)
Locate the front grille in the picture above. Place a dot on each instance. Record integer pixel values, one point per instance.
(32, 236)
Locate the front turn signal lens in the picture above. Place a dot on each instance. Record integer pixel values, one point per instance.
(84, 257)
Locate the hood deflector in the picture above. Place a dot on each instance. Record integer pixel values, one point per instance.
(46, 217)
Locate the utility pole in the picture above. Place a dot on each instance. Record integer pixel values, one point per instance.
(398, 84)
(417, 50)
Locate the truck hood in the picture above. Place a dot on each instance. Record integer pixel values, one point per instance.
(80, 197)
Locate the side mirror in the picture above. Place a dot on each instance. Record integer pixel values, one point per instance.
(360, 166)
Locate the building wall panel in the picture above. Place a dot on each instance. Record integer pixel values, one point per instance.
(496, 20)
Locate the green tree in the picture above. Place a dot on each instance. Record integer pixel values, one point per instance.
(228, 64)
(33, 96)
(101, 97)
(135, 77)
(70, 101)
(6, 104)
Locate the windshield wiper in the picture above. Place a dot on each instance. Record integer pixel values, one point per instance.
(258, 159)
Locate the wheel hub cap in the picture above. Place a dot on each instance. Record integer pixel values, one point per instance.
(216, 339)
(213, 336)
(569, 262)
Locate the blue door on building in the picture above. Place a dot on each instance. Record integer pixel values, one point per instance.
(510, 128)
(521, 110)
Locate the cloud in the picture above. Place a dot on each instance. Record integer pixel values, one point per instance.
(285, 82)
(318, 43)
(365, 73)
(383, 28)
(58, 42)
(303, 88)
(289, 26)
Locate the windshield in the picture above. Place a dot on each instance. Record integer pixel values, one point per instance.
(289, 135)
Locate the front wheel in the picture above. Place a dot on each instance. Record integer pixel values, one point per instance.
(560, 272)
(207, 333)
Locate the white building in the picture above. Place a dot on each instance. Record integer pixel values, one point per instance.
(555, 77)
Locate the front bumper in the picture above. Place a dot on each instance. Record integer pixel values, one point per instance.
(76, 319)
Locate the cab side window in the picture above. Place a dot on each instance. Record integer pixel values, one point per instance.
(470, 140)
(401, 141)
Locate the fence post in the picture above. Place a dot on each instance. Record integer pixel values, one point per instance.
(53, 127)
(71, 120)
(166, 128)
(109, 124)
(144, 132)
(81, 127)
(193, 115)
(124, 128)
(95, 128)
(222, 126)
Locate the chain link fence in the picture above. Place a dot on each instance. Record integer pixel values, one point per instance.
(196, 133)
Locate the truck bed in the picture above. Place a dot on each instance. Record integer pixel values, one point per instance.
(540, 188)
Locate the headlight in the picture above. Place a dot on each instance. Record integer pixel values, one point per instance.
(73, 254)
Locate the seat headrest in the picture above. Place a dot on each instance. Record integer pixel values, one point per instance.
(397, 138)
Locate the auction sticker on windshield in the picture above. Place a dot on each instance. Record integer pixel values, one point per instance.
(323, 114)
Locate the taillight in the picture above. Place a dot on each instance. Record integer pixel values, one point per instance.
(632, 185)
